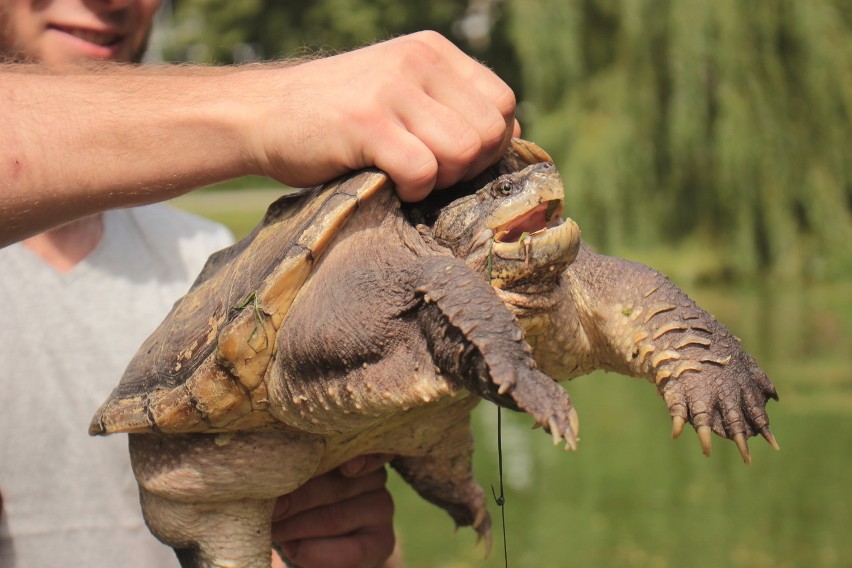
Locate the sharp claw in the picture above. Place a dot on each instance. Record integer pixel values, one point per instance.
(574, 420)
(705, 436)
(677, 426)
(486, 536)
(554, 430)
(481, 517)
(770, 438)
(504, 388)
(742, 446)
(570, 444)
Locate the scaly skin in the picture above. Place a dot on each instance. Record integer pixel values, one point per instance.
(583, 311)
(351, 371)
(625, 317)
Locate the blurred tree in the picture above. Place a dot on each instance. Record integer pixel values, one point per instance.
(225, 32)
(724, 120)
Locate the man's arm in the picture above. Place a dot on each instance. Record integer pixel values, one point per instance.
(77, 141)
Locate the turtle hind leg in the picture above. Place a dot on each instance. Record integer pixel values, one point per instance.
(444, 477)
(233, 534)
(456, 492)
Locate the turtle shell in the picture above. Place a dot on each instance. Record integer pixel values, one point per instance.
(202, 369)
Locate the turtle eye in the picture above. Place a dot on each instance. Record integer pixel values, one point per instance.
(503, 188)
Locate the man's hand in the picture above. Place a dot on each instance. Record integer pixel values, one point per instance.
(342, 519)
(415, 106)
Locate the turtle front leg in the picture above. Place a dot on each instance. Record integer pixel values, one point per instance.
(477, 341)
(625, 317)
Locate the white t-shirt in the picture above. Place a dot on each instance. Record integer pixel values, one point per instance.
(65, 339)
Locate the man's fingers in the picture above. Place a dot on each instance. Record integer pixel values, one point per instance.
(327, 489)
(342, 518)
(409, 162)
(365, 464)
(471, 71)
(458, 109)
(366, 549)
(416, 107)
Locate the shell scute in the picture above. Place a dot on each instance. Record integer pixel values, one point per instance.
(198, 370)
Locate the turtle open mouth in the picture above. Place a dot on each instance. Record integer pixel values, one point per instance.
(540, 218)
(533, 243)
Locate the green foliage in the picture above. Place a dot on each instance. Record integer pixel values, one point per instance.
(722, 123)
(284, 29)
(722, 120)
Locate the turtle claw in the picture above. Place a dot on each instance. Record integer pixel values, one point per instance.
(767, 434)
(550, 406)
(482, 526)
(505, 387)
(678, 423)
(742, 446)
(554, 430)
(481, 520)
(705, 436)
(487, 539)
(569, 435)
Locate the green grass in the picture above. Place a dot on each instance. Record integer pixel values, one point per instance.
(632, 497)
(239, 210)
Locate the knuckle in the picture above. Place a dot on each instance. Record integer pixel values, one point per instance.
(504, 99)
(419, 52)
(331, 519)
(494, 134)
(422, 175)
(467, 148)
(430, 37)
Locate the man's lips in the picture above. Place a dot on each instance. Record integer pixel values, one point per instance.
(99, 38)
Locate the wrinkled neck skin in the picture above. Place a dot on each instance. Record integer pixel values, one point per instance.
(509, 230)
(621, 316)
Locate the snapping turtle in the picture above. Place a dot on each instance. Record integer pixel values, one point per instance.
(347, 323)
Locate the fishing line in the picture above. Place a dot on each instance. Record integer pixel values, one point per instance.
(501, 499)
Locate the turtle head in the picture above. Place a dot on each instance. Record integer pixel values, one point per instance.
(511, 229)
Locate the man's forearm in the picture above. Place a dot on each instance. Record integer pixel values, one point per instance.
(116, 137)
(79, 141)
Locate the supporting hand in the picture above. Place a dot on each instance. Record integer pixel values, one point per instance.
(342, 519)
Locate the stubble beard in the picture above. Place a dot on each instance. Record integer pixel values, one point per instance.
(11, 51)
